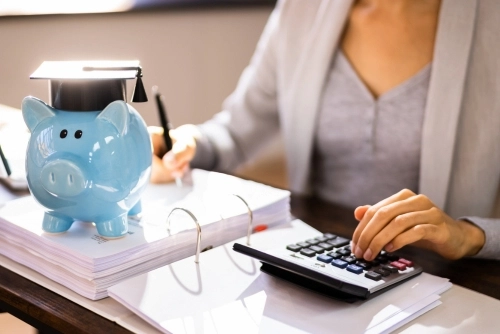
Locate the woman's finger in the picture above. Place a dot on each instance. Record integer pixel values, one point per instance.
(418, 233)
(403, 194)
(410, 236)
(157, 141)
(180, 170)
(383, 217)
(360, 211)
(159, 173)
(399, 226)
(183, 152)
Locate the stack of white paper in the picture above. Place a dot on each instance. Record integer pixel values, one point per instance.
(226, 293)
(88, 264)
(13, 126)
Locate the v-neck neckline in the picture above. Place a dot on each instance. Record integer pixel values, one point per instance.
(394, 91)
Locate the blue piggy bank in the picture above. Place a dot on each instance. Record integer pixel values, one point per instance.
(90, 166)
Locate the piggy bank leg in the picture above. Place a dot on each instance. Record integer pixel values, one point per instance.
(114, 228)
(136, 210)
(56, 224)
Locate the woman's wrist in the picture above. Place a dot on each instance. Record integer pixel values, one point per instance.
(473, 238)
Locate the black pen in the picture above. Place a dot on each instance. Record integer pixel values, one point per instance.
(5, 162)
(163, 118)
(162, 112)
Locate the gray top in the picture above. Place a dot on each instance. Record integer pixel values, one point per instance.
(367, 149)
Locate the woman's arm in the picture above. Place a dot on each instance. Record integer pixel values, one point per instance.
(247, 123)
(250, 114)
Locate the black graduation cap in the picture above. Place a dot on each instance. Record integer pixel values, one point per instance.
(90, 85)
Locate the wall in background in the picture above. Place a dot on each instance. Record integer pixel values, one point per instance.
(195, 56)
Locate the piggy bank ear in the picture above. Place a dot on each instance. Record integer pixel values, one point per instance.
(34, 111)
(116, 113)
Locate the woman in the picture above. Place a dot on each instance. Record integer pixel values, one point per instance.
(373, 96)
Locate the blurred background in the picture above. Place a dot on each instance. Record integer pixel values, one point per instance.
(193, 50)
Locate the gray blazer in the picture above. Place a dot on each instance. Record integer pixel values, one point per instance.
(281, 89)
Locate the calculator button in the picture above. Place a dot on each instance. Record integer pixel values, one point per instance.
(382, 259)
(307, 252)
(303, 244)
(317, 249)
(349, 259)
(324, 258)
(392, 257)
(364, 265)
(329, 236)
(373, 275)
(335, 255)
(293, 248)
(339, 263)
(348, 248)
(321, 239)
(343, 252)
(399, 265)
(312, 241)
(382, 272)
(408, 263)
(374, 263)
(354, 269)
(390, 268)
(326, 246)
(338, 242)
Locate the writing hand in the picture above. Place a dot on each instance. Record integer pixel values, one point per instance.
(407, 218)
(174, 163)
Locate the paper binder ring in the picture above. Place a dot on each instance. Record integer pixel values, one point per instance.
(250, 215)
(198, 228)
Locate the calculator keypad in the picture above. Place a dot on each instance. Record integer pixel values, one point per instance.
(336, 251)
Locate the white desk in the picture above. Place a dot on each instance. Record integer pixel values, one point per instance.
(462, 311)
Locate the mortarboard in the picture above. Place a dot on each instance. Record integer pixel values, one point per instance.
(90, 85)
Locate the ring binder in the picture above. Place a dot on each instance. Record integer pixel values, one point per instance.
(250, 214)
(198, 228)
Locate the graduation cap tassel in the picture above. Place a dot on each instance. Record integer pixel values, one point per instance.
(139, 91)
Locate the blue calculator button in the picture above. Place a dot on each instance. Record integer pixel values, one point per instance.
(324, 258)
(354, 269)
(339, 263)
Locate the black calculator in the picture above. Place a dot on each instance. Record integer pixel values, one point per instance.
(325, 264)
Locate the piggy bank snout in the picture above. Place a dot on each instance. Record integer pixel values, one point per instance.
(62, 178)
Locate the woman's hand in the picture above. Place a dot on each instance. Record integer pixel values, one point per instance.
(168, 166)
(406, 218)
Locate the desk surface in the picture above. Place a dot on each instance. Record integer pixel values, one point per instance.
(50, 312)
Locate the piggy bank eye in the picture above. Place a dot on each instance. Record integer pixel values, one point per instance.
(63, 133)
(78, 134)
